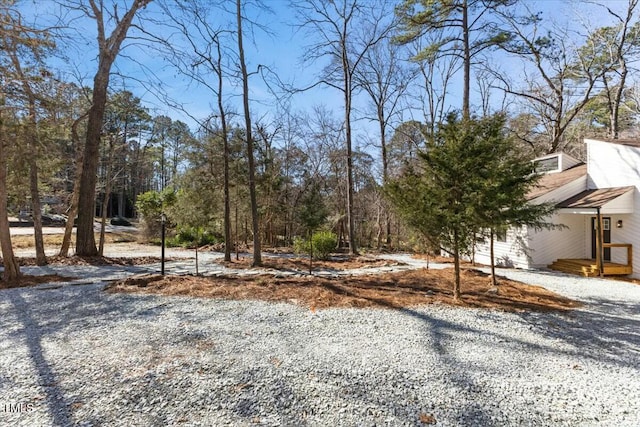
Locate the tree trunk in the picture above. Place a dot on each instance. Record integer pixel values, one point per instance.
(36, 208)
(73, 209)
(385, 164)
(85, 238)
(353, 249)
(11, 268)
(225, 141)
(105, 200)
(494, 281)
(257, 253)
(32, 157)
(615, 114)
(456, 263)
(108, 48)
(466, 113)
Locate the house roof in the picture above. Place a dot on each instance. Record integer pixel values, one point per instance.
(552, 181)
(594, 198)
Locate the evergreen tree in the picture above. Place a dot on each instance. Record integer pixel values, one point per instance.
(467, 181)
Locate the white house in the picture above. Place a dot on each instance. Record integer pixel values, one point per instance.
(605, 191)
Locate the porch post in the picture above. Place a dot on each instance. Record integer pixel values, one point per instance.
(599, 245)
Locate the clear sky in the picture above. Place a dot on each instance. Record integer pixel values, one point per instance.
(280, 48)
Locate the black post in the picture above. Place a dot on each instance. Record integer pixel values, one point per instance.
(164, 220)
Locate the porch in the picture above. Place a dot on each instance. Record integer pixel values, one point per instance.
(606, 206)
(589, 267)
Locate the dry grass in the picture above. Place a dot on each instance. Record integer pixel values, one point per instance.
(397, 290)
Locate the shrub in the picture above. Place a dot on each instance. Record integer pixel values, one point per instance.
(190, 236)
(300, 245)
(324, 242)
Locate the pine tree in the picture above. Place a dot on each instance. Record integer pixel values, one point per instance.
(469, 180)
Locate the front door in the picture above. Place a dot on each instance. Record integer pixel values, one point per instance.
(606, 227)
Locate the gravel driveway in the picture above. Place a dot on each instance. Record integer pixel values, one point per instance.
(77, 356)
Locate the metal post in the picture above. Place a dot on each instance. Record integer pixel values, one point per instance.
(164, 220)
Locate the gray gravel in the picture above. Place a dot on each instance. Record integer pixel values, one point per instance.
(75, 355)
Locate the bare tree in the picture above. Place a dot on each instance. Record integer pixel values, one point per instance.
(386, 81)
(11, 268)
(345, 31)
(200, 54)
(555, 83)
(108, 49)
(614, 48)
(255, 224)
(25, 48)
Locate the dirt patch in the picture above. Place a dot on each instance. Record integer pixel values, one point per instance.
(26, 281)
(397, 290)
(302, 264)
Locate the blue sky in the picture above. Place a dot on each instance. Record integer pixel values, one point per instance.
(280, 49)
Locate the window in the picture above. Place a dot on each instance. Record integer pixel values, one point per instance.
(501, 236)
(547, 165)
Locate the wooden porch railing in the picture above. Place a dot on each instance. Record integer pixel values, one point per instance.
(629, 246)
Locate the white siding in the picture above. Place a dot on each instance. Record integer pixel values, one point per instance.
(512, 253)
(568, 242)
(617, 165)
(567, 161)
(612, 165)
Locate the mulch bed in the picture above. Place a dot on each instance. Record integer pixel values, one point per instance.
(394, 290)
(27, 281)
(302, 264)
(93, 260)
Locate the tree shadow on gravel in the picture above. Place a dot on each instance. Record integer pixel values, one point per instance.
(47, 380)
(604, 330)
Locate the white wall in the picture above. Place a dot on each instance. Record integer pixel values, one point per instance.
(507, 254)
(612, 165)
(567, 242)
(616, 165)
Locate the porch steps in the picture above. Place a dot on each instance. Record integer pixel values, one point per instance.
(589, 268)
(577, 267)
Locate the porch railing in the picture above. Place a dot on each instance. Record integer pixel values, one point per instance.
(629, 247)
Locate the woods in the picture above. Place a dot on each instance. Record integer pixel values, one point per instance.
(384, 87)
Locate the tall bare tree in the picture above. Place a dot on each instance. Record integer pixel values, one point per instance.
(385, 81)
(201, 55)
(255, 219)
(108, 49)
(25, 48)
(344, 31)
(615, 48)
(556, 81)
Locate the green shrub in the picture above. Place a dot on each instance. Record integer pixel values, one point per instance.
(300, 245)
(324, 242)
(190, 236)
